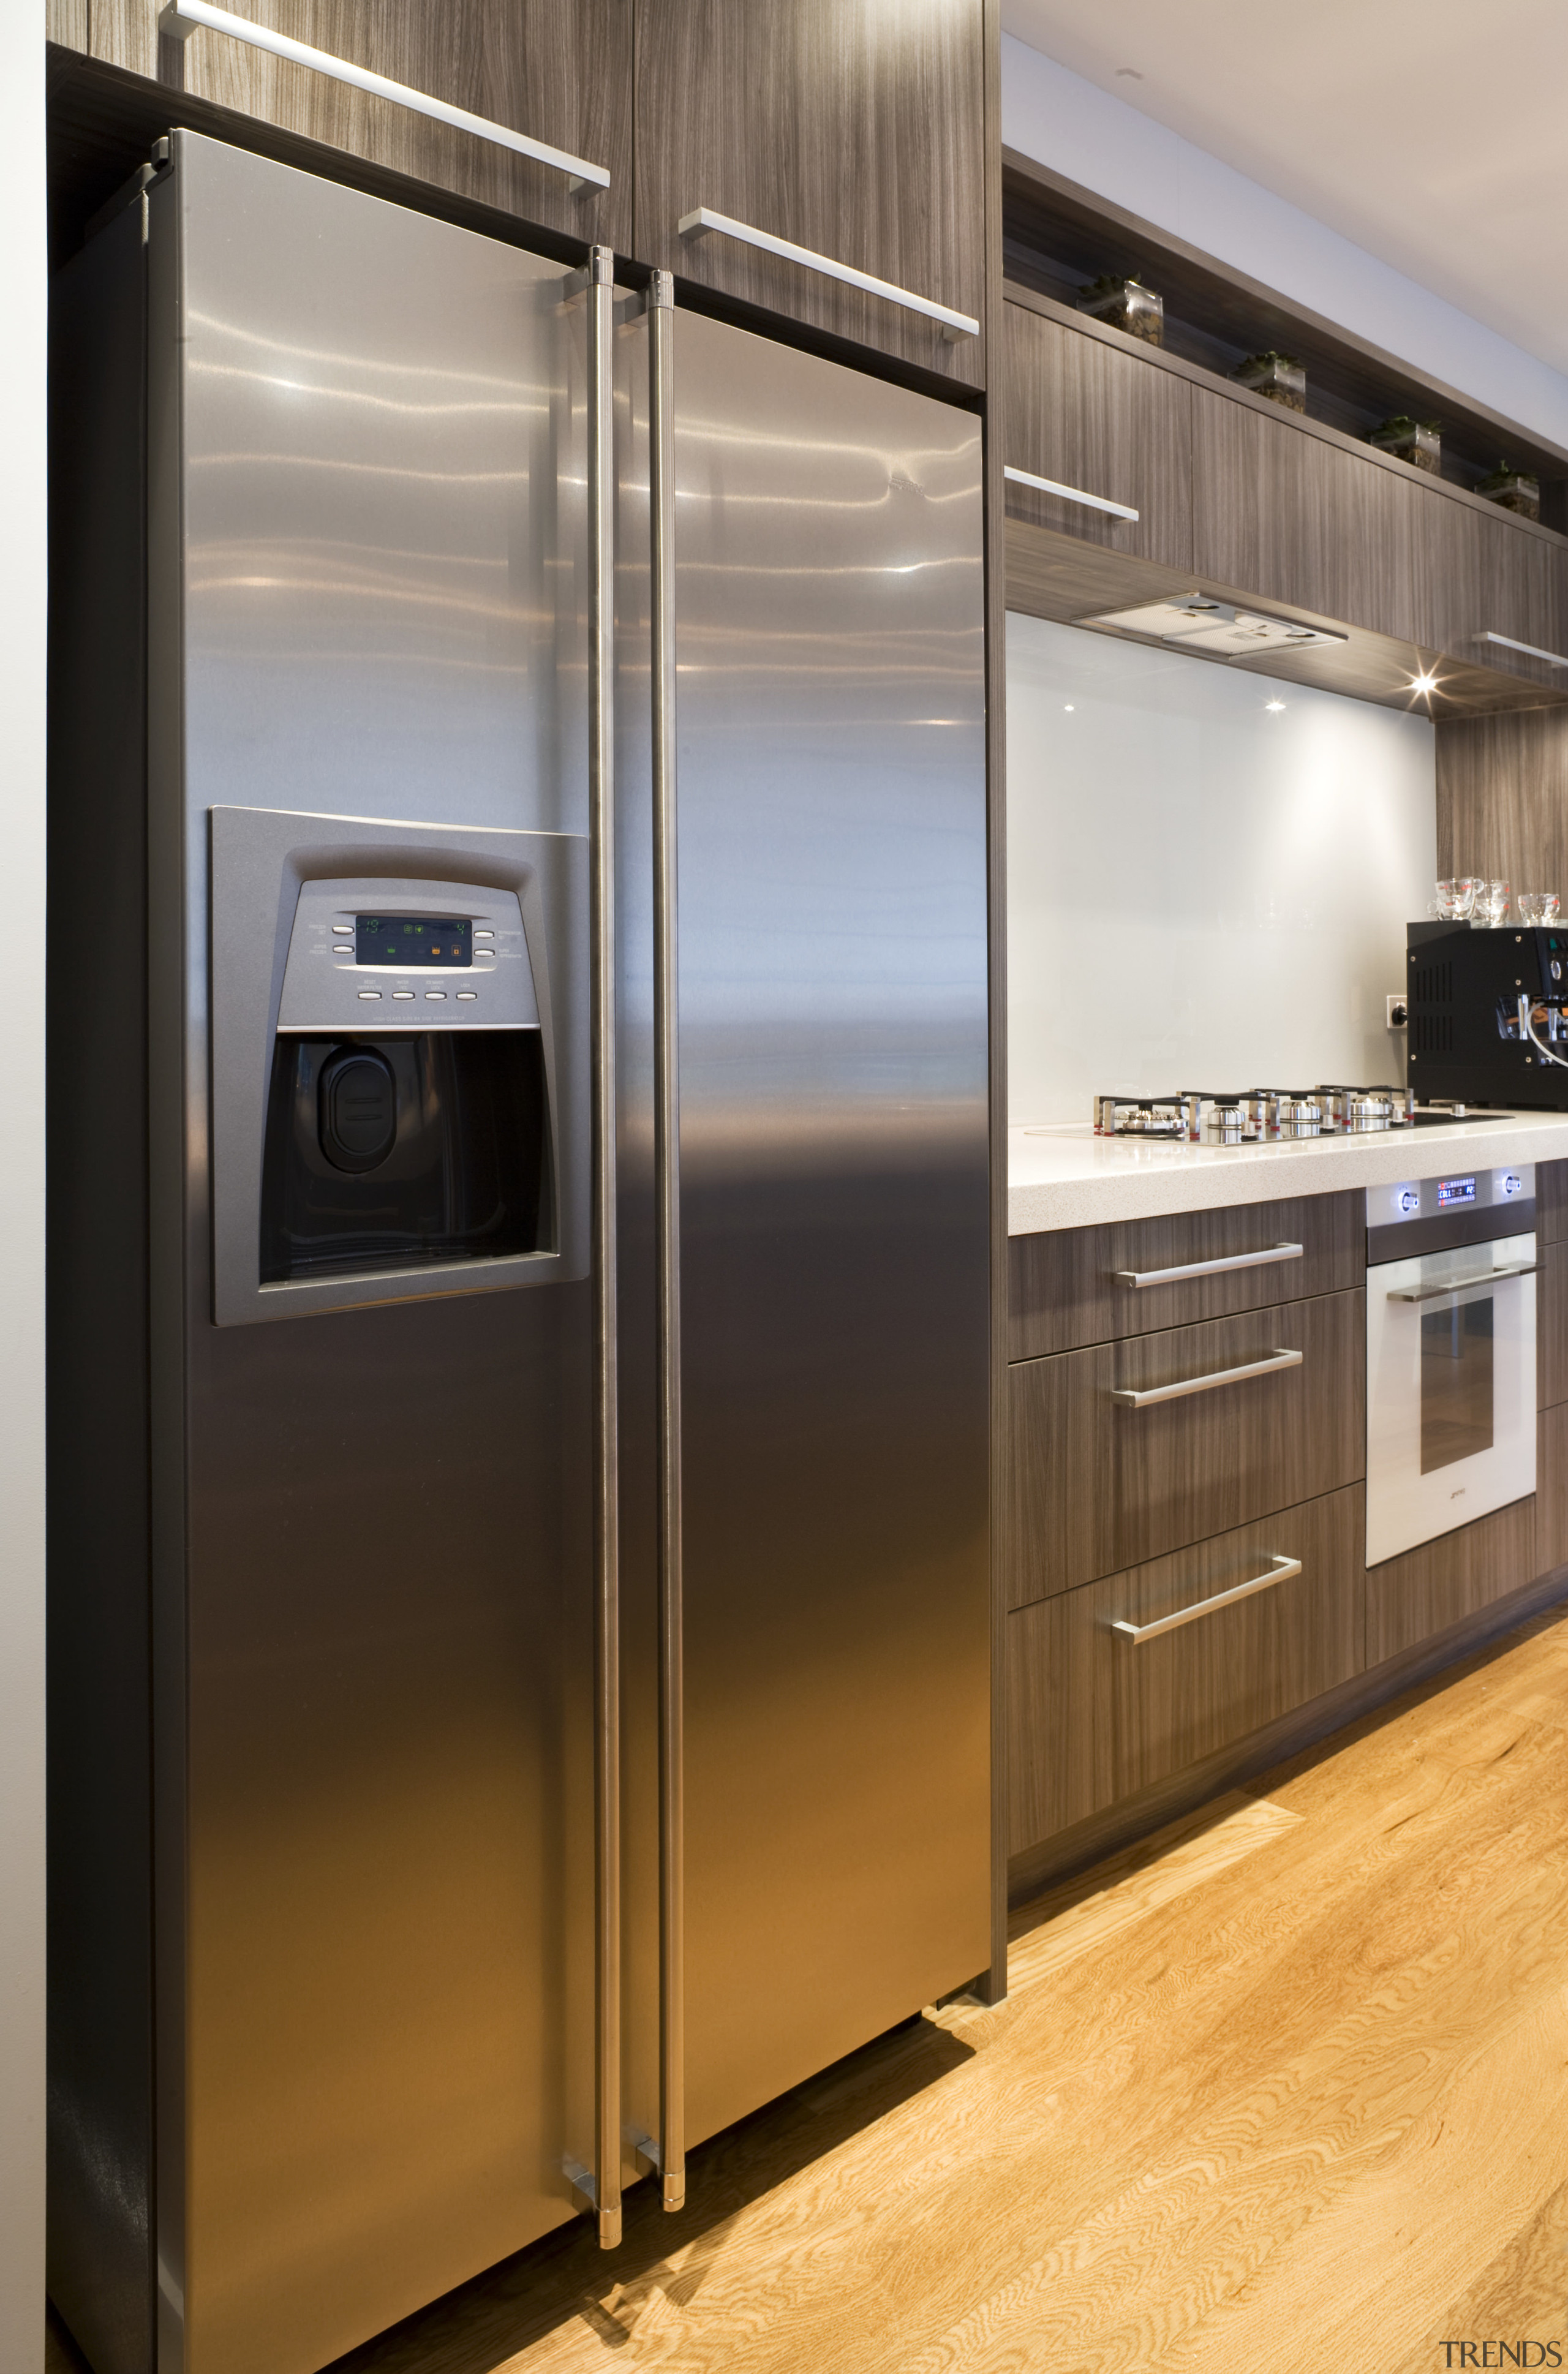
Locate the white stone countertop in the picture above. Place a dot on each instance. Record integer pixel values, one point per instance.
(1067, 1178)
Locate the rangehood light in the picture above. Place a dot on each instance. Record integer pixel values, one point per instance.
(1423, 683)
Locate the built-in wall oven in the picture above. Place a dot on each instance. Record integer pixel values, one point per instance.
(1450, 1353)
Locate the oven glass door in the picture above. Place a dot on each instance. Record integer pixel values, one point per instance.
(1451, 1391)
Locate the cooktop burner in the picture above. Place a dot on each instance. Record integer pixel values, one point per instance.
(1259, 1116)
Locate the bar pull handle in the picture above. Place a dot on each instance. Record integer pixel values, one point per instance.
(1208, 1268)
(1069, 494)
(1276, 1361)
(671, 2152)
(1531, 651)
(1453, 1285)
(1280, 1570)
(605, 2174)
(954, 325)
(179, 18)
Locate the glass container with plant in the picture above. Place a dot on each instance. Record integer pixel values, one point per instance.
(1419, 442)
(1513, 490)
(1278, 377)
(1120, 299)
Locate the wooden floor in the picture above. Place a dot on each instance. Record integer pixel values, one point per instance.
(1285, 2088)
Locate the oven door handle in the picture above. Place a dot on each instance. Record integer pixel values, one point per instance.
(1460, 1284)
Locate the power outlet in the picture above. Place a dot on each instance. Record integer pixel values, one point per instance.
(1398, 1010)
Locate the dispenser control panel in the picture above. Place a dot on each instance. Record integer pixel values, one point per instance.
(419, 940)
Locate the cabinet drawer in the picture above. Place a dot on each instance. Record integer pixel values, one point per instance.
(1095, 1714)
(1409, 1598)
(1071, 1287)
(1096, 1483)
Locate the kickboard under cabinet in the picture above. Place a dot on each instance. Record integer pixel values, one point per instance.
(1097, 1484)
(1095, 1714)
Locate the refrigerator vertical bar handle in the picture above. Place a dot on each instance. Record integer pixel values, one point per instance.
(607, 1562)
(666, 1160)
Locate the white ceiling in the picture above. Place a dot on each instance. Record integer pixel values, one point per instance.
(1431, 135)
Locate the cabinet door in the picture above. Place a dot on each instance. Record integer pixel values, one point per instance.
(1285, 515)
(1552, 1324)
(559, 70)
(1483, 572)
(844, 126)
(1097, 1483)
(1084, 415)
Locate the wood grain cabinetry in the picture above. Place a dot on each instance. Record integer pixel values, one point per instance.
(1070, 1286)
(1295, 519)
(1551, 1202)
(558, 70)
(1552, 1488)
(1095, 1715)
(1551, 1323)
(1484, 572)
(1088, 414)
(1096, 1484)
(1409, 1598)
(849, 128)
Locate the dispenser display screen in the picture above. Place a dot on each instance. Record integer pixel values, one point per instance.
(413, 940)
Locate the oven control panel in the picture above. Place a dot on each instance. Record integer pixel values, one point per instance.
(1457, 1190)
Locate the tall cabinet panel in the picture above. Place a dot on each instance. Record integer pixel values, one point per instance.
(845, 127)
(558, 70)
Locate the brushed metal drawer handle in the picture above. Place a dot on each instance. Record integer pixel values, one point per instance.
(1459, 1285)
(1209, 1268)
(179, 18)
(954, 325)
(1069, 494)
(1280, 1570)
(1280, 1360)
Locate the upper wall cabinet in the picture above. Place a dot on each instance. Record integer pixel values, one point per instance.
(1105, 425)
(848, 128)
(1295, 519)
(558, 71)
(1486, 575)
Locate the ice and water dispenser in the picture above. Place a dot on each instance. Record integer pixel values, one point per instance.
(399, 1058)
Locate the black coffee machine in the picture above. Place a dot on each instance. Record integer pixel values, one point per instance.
(1487, 1024)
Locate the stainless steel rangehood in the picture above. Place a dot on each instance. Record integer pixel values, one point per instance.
(1217, 628)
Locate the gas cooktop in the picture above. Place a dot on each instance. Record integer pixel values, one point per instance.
(1264, 1116)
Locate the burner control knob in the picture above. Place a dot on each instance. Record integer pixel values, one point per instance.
(1408, 1199)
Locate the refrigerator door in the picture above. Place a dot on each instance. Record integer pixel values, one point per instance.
(371, 1552)
(834, 1221)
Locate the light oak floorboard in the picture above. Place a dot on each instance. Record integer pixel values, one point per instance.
(1281, 2090)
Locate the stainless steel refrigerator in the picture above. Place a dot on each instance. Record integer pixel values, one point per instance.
(518, 1248)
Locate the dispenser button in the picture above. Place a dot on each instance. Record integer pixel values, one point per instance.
(370, 992)
(435, 993)
(403, 992)
(467, 993)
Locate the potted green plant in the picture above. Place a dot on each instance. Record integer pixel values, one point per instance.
(1278, 377)
(1120, 299)
(1513, 490)
(1419, 442)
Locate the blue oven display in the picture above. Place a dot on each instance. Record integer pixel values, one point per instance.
(1455, 1191)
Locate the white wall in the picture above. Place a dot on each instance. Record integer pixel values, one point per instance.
(1080, 130)
(22, 580)
(1202, 892)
